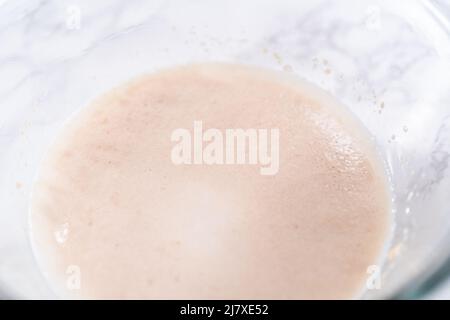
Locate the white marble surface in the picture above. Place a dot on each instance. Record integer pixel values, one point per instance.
(385, 59)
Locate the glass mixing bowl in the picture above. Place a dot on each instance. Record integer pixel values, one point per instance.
(388, 61)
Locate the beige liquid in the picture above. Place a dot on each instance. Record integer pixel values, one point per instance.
(112, 210)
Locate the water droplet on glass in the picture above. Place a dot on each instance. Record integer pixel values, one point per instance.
(287, 68)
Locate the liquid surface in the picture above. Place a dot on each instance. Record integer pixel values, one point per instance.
(113, 216)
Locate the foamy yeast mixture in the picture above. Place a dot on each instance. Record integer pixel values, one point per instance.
(112, 216)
